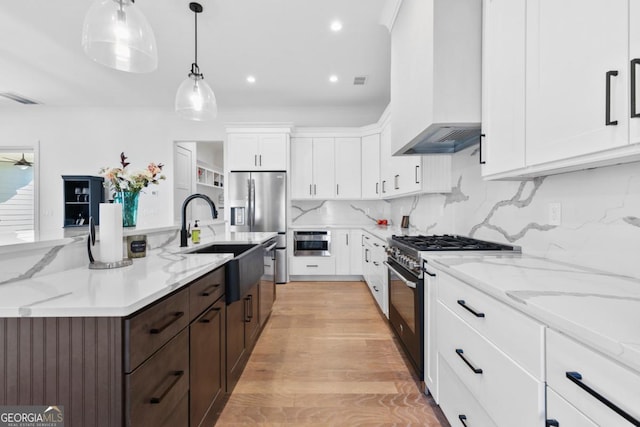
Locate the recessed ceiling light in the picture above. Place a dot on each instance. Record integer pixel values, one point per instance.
(336, 26)
(251, 79)
(333, 78)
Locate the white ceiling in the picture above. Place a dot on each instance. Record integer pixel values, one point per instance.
(285, 44)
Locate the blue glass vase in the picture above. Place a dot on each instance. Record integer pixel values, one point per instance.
(129, 202)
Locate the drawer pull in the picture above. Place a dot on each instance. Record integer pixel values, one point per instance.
(576, 378)
(312, 265)
(375, 288)
(177, 375)
(209, 290)
(463, 420)
(174, 318)
(552, 423)
(469, 309)
(204, 318)
(460, 353)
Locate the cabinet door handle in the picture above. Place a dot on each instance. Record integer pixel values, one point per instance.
(209, 290)
(469, 309)
(377, 185)
(482, 161)
(312, 265)
(463, 419)
(396, 185)
(174, 318)
(247, 318)
(347, 236)
(576, 378)
(634, 62)
(552, 423)
(260, 160)
(460, 353)
(417, 170)
(255, 160)
(376, 263)
(311, 189)
(250, 307)
(337, 189)
(366, 255)
(375, 244)
(214, 310)
(384, 187)
(315, 190)
(429, 273)
(608, 120)
(176, 375)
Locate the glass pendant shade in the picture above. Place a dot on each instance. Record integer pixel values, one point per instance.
(195, 99)
(116, 34)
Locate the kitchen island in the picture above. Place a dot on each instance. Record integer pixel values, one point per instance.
(138, 345)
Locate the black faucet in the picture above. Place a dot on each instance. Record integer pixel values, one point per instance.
(184, 236)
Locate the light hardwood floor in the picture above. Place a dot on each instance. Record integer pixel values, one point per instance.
(327, 358)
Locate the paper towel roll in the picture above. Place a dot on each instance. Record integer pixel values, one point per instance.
(111, 232)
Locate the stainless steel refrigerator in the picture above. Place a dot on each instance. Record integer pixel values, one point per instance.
(258, 202)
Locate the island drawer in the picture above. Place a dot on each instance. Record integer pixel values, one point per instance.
(514, 333)
(205, 291)
(586, 378)
(157, 387)
(151, 328)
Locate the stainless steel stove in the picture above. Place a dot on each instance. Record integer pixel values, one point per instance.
(406, 284)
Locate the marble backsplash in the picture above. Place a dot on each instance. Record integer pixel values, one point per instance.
(339, 212)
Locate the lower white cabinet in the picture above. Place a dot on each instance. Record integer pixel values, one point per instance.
(346, 248)
(559, 410)
(431, 277)
(312, 265)
(374, 270)
(598, 388)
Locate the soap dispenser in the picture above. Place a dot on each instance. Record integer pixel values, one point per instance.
(195, 233)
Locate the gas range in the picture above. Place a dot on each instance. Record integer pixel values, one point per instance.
(405, 250)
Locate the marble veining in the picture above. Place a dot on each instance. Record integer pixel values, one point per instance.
(362, 211)
(456, 195)
(304, 212)
(523, 296)
(635, 221)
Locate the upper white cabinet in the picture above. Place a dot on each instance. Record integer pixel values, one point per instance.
(557, 85)
(256, 151)
(371, 166)
(503, 86)
(574, 51)
(312, 168)
(348, 168)
(435, 66)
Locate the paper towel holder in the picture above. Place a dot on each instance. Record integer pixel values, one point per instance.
(99, 265)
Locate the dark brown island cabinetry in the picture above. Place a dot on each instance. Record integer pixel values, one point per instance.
(169, 364)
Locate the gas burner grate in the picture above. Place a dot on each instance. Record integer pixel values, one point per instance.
(448, 242)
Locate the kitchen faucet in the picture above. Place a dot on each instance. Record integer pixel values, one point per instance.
(183, 229)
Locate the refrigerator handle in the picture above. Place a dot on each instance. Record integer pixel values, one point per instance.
(252, 203)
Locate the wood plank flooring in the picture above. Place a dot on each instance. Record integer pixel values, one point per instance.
(327, 358)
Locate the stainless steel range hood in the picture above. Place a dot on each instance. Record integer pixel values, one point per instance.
(441, 138)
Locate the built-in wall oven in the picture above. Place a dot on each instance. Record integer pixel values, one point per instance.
(407, 285)
(312, 243)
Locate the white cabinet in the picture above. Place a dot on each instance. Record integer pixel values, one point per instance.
(502, 142)
(371, 166)
(256, 151)
(590, 382)
(346, 248)
(374, 270)
(312, 266)
(312, 168)
(572, 46)
(348, 168)
(557, 83)
(431, 276)
(559, 409)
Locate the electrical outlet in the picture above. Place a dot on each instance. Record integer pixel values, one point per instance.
(555, 213)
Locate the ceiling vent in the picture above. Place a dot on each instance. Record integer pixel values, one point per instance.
(359, 80)
(18, 98)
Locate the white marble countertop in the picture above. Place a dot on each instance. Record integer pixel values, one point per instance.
(599, 309)
(381, 231)
(117, 292)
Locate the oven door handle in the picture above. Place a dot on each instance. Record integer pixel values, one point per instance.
(409, 283)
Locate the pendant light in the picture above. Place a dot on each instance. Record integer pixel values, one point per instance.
(116, 34)
(195, 99)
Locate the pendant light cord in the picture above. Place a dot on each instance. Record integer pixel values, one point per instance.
(196, 36)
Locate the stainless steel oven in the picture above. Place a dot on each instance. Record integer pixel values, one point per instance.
(312, 243)
(406, 315)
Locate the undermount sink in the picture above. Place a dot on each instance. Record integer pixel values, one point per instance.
(242, 271)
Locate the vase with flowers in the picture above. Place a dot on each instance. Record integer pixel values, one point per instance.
(126, 186)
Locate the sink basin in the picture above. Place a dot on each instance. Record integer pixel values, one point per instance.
(241, 272)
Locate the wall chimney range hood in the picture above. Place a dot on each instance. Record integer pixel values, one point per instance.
(442, 138)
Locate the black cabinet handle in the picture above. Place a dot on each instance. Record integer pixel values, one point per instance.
(375, 288)
(250, 306)
(469, 309)
(377, 184)
(376, 263)
(634, 62)
(552, 423)
(176, 377)
(337, 189)
(428, 272)
(208, 290)
(247, 319)
(482, 162)
(174, 318)
(214, 310)
(576, 378)
(460, 353)
(463, 420)
(608, 120)
(417, 169)
(384, 189)
(366, 255)
(396, 180)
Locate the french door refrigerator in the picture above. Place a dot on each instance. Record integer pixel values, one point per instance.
(258, 202)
